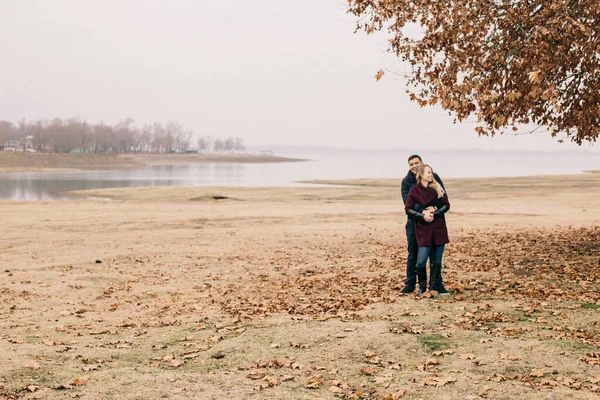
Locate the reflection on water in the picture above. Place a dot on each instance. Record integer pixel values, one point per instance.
(39, 186)
(54, 185)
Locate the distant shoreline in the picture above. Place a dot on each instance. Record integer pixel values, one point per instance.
(49, 162)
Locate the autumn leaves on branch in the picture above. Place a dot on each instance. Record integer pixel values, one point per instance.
(513, 65)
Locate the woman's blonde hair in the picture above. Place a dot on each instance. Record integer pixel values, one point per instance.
(434, 184)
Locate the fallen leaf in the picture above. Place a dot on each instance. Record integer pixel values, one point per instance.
(368, 371)
(313, 383)
(256, 375)
(99, 332)
(77, 382)
(176, 363)
(538, 373)
(271, 381)
(335, 389)
(212, 339)
(33, 365)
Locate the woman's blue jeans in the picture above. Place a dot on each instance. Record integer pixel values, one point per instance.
(432, 252)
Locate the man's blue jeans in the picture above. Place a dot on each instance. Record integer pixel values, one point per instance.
(433, 253)
(411, 259)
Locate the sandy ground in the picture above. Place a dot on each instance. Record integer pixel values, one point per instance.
(273, 293)
(33, 162)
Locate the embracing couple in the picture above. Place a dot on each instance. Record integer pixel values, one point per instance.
(425, 203)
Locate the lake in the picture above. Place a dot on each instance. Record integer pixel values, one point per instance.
(38, 186)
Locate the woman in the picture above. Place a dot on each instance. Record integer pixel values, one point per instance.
(430, 227)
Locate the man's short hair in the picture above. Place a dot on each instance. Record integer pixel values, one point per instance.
(415, 156)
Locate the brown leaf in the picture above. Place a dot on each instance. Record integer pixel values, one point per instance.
(77, 382)
(256, 375)
(99, 332)
(398, 394)
(33, 365)
(313, 383)
(31, 388)
(335, 389)
(538, 373)
(534, 76)
(437, 381)
(368, 371)
(432, 361)
(176, 363)
(592, 358)
(271, 381)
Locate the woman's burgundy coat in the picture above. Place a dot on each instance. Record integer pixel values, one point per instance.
(434, 232)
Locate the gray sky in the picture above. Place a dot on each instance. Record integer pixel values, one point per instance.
(269, 71)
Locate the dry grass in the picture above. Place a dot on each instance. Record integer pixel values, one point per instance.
(292, 293)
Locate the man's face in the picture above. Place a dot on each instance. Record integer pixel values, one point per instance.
(414, 165)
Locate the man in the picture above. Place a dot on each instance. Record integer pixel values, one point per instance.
(410, 180)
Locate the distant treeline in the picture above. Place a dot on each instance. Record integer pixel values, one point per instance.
(74, 135)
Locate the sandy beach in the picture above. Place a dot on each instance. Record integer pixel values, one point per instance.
(273, 293)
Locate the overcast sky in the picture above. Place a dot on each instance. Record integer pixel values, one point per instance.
(269, 71)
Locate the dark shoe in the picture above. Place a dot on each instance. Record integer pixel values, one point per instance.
(407, 290)
(421, 291)
(442, 291)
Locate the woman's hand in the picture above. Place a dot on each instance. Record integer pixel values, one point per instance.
(428, 214)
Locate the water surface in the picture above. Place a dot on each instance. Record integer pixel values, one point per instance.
(54, 185)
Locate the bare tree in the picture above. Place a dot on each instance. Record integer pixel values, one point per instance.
(238, 146)
(205, 144)
(64, 136)
(126, 135)
(6, 131)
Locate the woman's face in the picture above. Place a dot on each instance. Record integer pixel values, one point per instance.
(428, 175)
